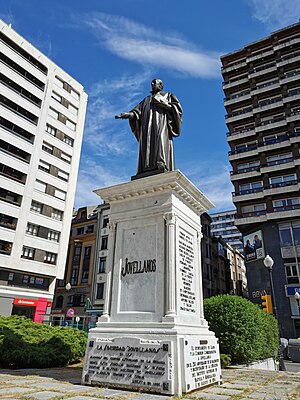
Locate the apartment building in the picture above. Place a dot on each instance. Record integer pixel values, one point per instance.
(81, 292)
(262, 100)
(223, 224)
(42, 112)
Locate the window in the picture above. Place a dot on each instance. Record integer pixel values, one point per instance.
(281, 205)
(59, 302)
(277, 180)
(104, 243)
(102, 265)
(80, 231)
(76, 263)
(249, 166)
(44, 166)
(36, 207)
(28, 252)
(291, 273)
(56, 214)
(63, 175)
(70, 124)
(32, 229)
(65, 157)
(51, 130)
(53, 235)
(253, 208)
(77, 300)
(105, 222)
(68, 140)
(100, 291)
(50, 258)
(279, 158)
(86, 264)
(73, 110)
(40, 186)
(48, 148)
(250, 187)
(90, 229)
(53, 113)
(60, 194)
(56, 97)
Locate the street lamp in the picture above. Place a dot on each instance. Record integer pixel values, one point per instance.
(269, 262)
(68, 286)
(297, 298)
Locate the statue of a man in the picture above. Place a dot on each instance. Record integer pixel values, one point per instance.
(154, 122)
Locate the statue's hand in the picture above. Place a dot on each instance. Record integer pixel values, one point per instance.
(125, 115)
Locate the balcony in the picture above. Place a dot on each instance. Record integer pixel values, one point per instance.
(249, 194)
(268, 105)
(250, 217)
(242, 153)
(235, 82)
(237, 115)
(260, 55)
(290, 251)
(290, 77)
(10, 197)
(287, 43)
(271, 123)
(265, 87)
(234, 67)
(284, 163)
(281, 187)
(288, 59)
(241, 133)
(237, 98)
(268, 69)
(245, 173)
(292, 96)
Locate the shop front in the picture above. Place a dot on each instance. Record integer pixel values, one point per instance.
(35, 309)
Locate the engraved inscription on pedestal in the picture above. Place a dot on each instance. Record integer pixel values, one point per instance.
(131, 362)
(202, 363)
(187, 293)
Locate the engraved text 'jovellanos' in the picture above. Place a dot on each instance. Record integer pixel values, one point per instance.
(138, 267)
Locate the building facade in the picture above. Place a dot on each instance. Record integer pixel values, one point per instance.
(262, 100)
(81, 293)
(223, 224)
(42, 112)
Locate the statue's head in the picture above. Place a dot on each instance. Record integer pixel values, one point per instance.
(157, 85)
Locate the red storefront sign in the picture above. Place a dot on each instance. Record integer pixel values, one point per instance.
(25, 302)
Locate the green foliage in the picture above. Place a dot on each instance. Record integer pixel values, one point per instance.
(225, 360)
(245, 332)
(25, 344)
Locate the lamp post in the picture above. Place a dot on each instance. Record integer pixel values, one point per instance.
(297, 298)
(269, 262)
(68, 286)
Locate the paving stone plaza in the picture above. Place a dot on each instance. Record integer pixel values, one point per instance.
(64, 383)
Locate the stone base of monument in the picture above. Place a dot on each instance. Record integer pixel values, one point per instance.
(153, 335)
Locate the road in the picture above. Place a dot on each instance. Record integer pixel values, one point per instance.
(292, 366)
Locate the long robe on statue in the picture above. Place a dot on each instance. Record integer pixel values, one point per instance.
(154, 127)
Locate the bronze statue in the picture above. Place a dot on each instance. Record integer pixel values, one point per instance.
(154, 122)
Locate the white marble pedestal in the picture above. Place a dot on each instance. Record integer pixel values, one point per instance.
(153, 335)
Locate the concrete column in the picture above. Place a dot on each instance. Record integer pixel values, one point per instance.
(170, 219)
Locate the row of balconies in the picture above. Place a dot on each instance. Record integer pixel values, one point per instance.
(262, 191)
(268, 214)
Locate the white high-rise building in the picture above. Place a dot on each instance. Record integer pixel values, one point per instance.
(42, 113)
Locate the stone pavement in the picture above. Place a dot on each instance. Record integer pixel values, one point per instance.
(64, 383)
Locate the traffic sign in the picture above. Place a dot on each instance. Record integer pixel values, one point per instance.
(77, 319)
(70, 312)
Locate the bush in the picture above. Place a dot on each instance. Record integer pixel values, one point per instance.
(225, 360)
(26, 344)
(245, 332)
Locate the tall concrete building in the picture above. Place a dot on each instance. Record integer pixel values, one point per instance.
(223, 224)
(42, 112)
(262, 100)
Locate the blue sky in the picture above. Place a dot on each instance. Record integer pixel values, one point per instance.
(116, 47)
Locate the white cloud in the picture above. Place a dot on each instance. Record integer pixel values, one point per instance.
(136, 42)
(213, 179)
(276, 13)
(104, 135)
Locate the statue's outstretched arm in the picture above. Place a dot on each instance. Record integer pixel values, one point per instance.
(125, 115)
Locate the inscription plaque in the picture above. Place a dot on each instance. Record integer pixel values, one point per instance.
(132, 363)
(202, 363)
(187, 290)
